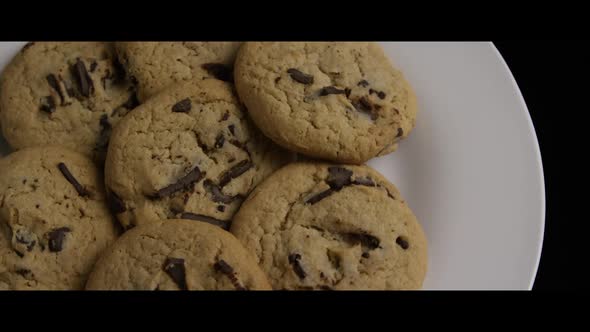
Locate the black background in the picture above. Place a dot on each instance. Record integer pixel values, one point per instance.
(553, 78)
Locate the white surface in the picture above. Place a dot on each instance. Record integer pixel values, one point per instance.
(471, 170)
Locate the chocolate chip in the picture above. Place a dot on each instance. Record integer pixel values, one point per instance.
(93, 66)
(363, 83)
(364, 105)
(19, 254)
(294, 261)
(56, 238)
(314, 199)
(232, 129)
(221, 208)
(347, 92)
(364, 182)
(277, 79)
(210, 220)
(217, 195)
(219, 71)
(400, 132)
(300, 77)
(174, 267)
(380, 94)
(47, 104)
(331, 90)
(83, 78)
(365, 255)
(402, 242)
(223, 267)
(366, 240)
(338, 177)
(54, 84)
(234, 172)
(116, 204)
(182, 106)
(219, 141)
(132, 102)
(120, 71)
(225, 116)
(71, 179)
(23, 272)
(194, 176)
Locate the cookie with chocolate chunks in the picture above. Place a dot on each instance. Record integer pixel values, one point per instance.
(317, 226)
(64, 93)
(338, 101)
(188, 152)
(177, 254)
(54, 219)
(157, 65)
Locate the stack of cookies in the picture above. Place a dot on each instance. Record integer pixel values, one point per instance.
(204, 166)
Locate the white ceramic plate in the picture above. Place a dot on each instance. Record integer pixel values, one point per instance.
(471, 170)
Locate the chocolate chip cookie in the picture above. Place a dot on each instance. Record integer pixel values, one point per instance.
(156, 65)
(316, 226)
(343, 102)
(68, 94)
(189, 152)
(177, 255)
(54, 221)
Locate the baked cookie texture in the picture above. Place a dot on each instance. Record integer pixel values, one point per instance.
(343, 102)
(316, 226)
(153, 66)
(54, 221)
(189, 152)
(177, 255)
(64, 93)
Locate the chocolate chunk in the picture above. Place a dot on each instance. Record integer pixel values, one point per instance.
(225, 116)
(53, 82)
(183, 183)
(314, 199)
(210, 220)
(132, 102)
(338, 177)
(232, 129)
(402, 242)
(71, 179)
(93, 66)
(174, 267)
(234, 172)
(83, 78)
(219, 71)
(219, 141)
(294, 261)
(116, 204)
(222, 267)
(366, 240)
(182, 106)
(217, 195)
(331, 90)
(363, 83)
(300, 77)
(47, 104)
(105, 132)
(56, 238)
(400, 132)
(364, 182)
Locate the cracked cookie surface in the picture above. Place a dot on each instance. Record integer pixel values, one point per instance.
(177, 255)
(189, 152)
(54, 221)
(315, 226)
(68, 94)
(155, 65)
(343, 102)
